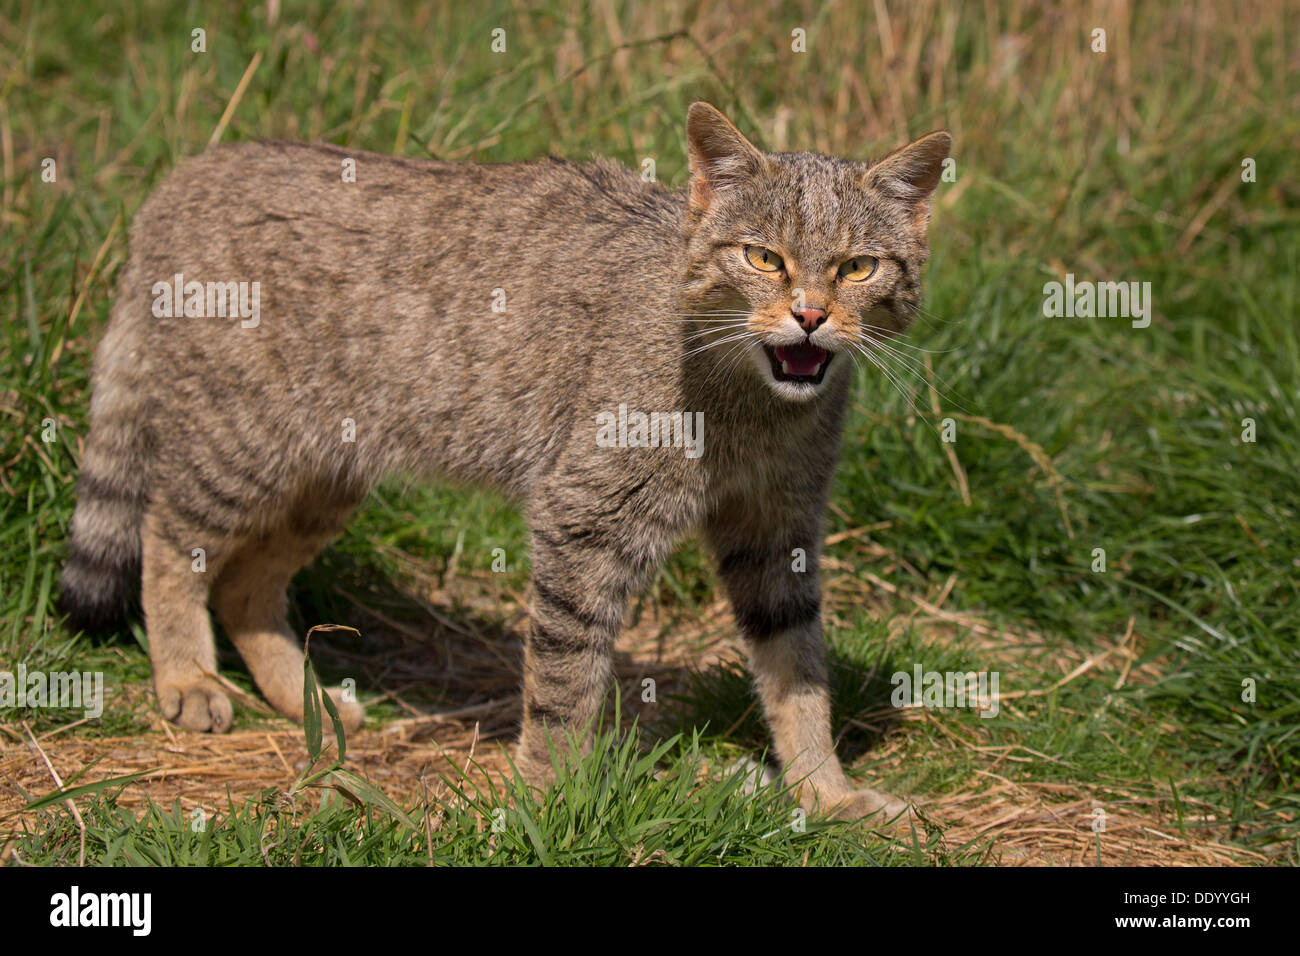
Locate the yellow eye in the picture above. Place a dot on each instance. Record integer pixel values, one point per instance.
(858, 269)
(764, 260)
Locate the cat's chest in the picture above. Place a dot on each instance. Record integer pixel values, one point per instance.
(758, 459)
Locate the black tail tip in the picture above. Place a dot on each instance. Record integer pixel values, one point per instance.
(90, 613)
(96, 602)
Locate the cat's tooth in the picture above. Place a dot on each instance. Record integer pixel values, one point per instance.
(785, 368)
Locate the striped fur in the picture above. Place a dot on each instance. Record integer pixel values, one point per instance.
(101, 576)
(219, 460)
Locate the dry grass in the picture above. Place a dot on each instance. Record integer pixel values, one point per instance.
(1029, 822)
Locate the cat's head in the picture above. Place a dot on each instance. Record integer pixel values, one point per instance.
(803, 258)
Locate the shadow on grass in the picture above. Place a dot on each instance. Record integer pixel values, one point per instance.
(723, 697)
(462, 653)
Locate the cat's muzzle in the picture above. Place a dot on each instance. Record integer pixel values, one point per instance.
(804, 362)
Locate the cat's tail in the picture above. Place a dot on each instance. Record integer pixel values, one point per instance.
(101, 576)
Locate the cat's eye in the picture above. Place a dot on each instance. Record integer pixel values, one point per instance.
(858, 269)
(764, 260)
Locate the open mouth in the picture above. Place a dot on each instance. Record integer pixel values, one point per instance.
(798, 363)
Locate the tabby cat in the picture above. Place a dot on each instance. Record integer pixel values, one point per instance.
(515, 325)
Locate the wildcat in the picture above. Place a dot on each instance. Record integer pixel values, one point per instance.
(478, 322)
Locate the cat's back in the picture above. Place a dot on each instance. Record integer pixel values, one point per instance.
(317, 179)
(283, 197)
(452, 291)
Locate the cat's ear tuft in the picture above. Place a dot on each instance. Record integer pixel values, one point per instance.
(720, 155)
(911, 174)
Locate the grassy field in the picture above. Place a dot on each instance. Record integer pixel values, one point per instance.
(1159, 695)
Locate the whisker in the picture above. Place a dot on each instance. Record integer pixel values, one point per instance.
(733, 368)
(696, 316)
(726, 365)
(898, 341)
(901, 357)
(947, 392)
(731, 363)
(934, 317)
(723, 341)
(716, 328)
(897, 387)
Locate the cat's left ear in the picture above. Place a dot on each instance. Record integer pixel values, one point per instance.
(910, 174)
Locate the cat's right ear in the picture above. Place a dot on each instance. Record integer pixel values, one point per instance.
(720, 155)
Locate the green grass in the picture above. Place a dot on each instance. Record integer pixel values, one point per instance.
(1143, 426)
(629, 807)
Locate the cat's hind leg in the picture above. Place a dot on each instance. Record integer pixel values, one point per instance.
(252, 604)
(180, 557)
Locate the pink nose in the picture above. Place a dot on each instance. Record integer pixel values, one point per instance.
(810, 317)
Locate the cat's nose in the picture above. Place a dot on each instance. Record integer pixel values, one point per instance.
(810, 318)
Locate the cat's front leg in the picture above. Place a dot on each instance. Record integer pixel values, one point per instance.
(585, 569)
(771, 577)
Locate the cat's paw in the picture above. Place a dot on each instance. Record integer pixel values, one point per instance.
(537, 771)
(196, 706)
(752, 773)
(351, 712)
(883, 809)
